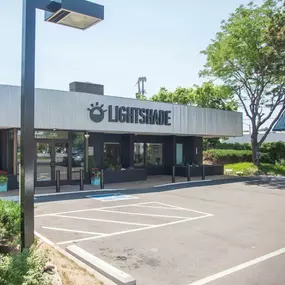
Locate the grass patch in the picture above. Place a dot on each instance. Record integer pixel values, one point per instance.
(248, 168)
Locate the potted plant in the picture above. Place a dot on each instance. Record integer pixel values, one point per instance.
(3, 181)
(95, 176)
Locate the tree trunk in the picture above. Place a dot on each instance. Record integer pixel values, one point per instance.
(255, 150)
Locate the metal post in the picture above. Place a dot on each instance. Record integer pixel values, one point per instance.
(203, 172)
(57, 185)
(81, 179)
(188, 172)
(102, 179)
(173, 174)
(28, 146)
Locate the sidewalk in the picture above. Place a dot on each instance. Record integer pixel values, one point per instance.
(151, 181)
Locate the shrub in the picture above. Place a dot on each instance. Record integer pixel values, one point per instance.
(235, 146)
(275, 150)
(9, 222)
(223, 156)
(24, 268)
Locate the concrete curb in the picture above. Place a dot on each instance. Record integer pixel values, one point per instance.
(112, 273)
(81, 264)
(158, 188)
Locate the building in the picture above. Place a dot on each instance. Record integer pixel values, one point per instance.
(272, 137)
(280, 125)
(112, 132)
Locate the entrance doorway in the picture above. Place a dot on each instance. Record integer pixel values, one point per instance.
(50, 157)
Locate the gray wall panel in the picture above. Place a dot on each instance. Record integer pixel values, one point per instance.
(68, 110)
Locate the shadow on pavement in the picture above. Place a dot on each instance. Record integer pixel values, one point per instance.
(162, 188)
(269, 182)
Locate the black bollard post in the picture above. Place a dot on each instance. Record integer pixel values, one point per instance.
(57, 182)
(203, 172)
(173, 174)
(188, 172)
(81, 179)
(102, 179)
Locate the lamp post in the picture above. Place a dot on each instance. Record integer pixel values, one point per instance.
(79, 14)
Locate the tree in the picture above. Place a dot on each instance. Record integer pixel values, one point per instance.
(140, 96)
(248, 55)
(207, 96)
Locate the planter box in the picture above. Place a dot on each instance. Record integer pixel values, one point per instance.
(4, 187)
(129, 175)
(95, 181)
(12, 182)
(197, 170)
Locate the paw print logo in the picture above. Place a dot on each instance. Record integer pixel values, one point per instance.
(96, 112)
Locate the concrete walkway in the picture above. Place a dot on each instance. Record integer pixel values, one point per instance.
(150, 182)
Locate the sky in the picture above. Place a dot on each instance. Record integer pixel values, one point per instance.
(158, 39)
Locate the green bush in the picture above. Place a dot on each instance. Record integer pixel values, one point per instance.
(275, 150)
(9, 222)
(235, 146)
(24, 268)
(266, 158)
(224, 156)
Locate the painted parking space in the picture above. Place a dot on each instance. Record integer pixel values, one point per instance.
(223, 234)
(102, 222)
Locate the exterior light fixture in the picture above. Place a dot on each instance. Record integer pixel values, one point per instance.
(75, 14)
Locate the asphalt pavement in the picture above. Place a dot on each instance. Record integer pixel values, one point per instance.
(212, 234)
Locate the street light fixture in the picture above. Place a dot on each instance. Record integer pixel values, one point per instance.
(79, 14)
(75, 14)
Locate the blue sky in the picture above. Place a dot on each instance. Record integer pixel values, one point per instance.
(159, 39)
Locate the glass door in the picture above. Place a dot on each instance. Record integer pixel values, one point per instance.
(44, 162)
(61, 161)
(52, 156)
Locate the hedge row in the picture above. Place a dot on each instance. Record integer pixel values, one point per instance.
(272, 152)
(225, 156)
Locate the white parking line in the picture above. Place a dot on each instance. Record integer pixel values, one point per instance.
(143, 214)
(72, 231)
(92, 209)
(105, 221)
(238, 267)
(158, 207)
(185, 209)
(135, 230)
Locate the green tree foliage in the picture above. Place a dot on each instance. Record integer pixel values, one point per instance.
(207, 96)
(140, 96)
(248, 55)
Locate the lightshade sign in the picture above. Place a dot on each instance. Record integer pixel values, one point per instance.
(130, 115)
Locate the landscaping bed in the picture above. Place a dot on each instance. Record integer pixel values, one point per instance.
(248, 168)
(40, 265)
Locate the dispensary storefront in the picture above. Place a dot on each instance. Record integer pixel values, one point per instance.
(130, 139)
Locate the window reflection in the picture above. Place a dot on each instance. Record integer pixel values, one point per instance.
(154, 154)
(138, 154)
(77, 154)
(112, 156)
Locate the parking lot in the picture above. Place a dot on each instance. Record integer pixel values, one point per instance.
(220, 234)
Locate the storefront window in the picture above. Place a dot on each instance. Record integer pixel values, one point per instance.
(154, 154)
(112, 156)
(179, 153)
(77, 154)
(51, 134)
(138, 154)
